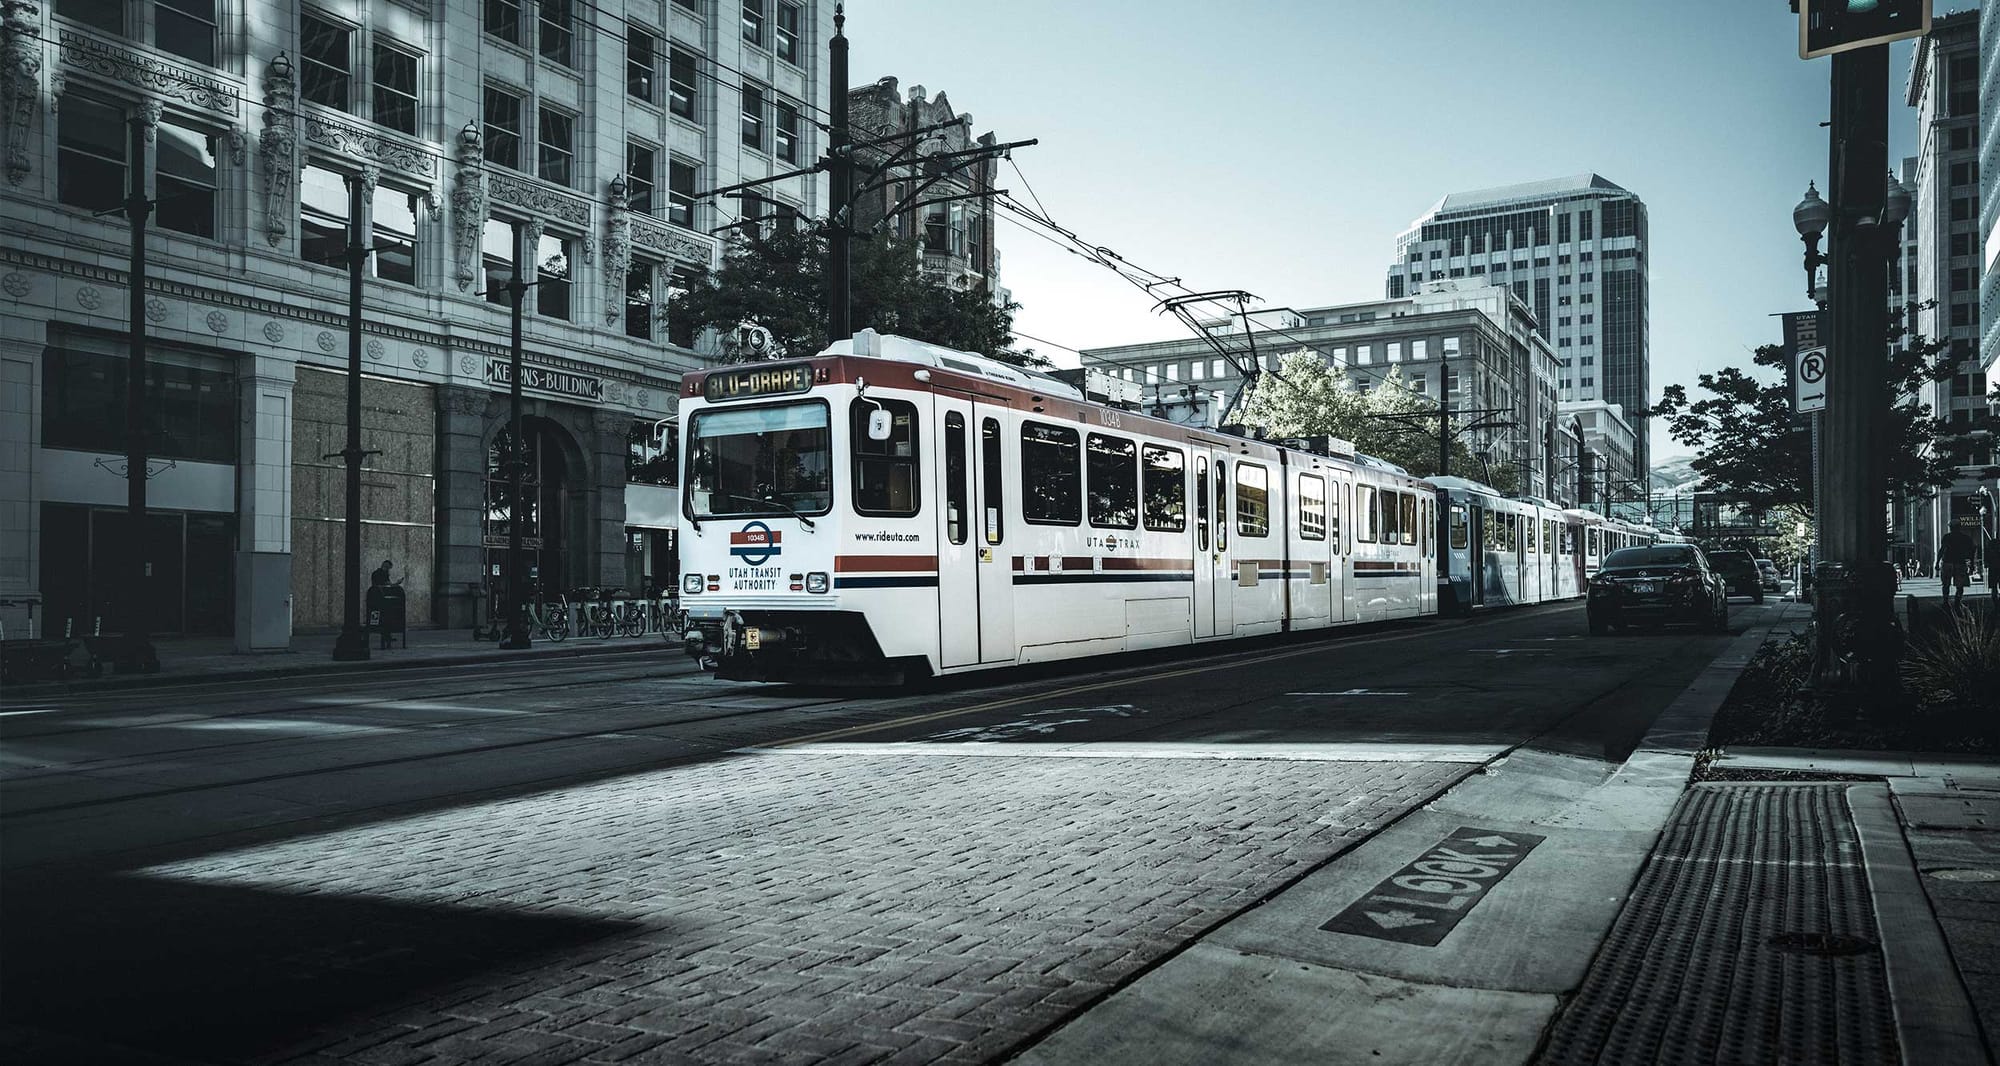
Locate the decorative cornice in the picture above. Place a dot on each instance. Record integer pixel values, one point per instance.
(672, 241)
(539, 198)
(87, 53)
(372, 146)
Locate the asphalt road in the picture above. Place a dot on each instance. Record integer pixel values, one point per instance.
(621, 859)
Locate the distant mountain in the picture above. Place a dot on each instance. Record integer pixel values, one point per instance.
(1675, 475)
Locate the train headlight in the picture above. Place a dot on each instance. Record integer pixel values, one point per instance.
(690, 583)
(817, 582)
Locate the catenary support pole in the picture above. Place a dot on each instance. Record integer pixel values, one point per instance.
(517, 454)
(352, 644)
(840, 209)
(136, 652)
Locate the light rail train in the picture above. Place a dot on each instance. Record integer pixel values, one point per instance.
(890, 509)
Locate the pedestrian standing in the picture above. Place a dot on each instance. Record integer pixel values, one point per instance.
(1955, 565)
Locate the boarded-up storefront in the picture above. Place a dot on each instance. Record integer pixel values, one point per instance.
(398, 483)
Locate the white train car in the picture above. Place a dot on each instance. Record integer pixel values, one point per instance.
(889, 509)
(1505, 551)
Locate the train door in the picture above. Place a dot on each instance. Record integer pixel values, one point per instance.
(959, 617)
(1476, 550)
(1214, 577)
(996, 568)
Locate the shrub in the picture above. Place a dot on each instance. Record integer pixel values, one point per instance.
(1956, 666)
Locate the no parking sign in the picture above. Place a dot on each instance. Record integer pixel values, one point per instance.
(1809, 380)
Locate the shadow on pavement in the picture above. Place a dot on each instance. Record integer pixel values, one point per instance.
(126, 968)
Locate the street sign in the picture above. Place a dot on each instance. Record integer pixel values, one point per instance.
(1829, 26)
(1425, 899)
(1809, 380)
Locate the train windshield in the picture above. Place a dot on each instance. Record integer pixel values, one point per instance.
(761, 461)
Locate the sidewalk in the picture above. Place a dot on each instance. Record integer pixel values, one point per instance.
(188, 660)
(1551, 910)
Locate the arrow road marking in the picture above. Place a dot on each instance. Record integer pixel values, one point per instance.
(1395, 919)
(1495, 841)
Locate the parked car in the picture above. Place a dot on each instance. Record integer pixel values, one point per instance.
(1770, 571)
(1739, 572)
(1657, 585)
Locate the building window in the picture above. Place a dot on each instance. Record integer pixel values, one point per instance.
(639, 303)
(91, 144)
(788, 32)
(503, 20)
(393, 218)
(680, 327)
(106, 15)
(323, 200)
(1448, 347)
(554, 148)
(1961, 244)
(191, 401)
(326, 61)
(753, 117)
(503, 128)
(557, 31)
(691, 5)
(185, 179)
(681, 83)
(186, 28)
(786, 131)
(1364, 354)
(1195, 371)
(642, 55)
(680, 193)
(1395, 351)
(496, 248)
(753, 22)
(639, 171)
(395, 88)
(1173, 371)
(1420, 349)
(1961, 208)
(553, 256)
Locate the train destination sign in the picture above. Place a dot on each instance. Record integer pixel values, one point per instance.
(761, 381)
(1426, 899)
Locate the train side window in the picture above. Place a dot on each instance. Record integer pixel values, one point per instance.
(1364, 514)
(1312, 507)
(1528, 526)
(1458, 534)
(1051, 479)
(1591, 542)
(1333, 519)
(1408, 501)
(989, 461)
(885, 471)
(1253, 500)
(1201, 503)
(1385, 522)
(954, 477)
(1424, 530)
(1221, 505)
(1112, 481)
(1163, 483)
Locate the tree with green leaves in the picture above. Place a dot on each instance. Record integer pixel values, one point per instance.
(779, 281)
(1752, 448)
(1306, 398)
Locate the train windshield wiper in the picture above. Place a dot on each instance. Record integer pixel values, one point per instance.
(771, 501)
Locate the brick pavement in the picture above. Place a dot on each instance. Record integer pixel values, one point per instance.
(839, 908)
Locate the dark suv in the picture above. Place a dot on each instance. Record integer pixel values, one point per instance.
(1656, 585)
(1739, 572)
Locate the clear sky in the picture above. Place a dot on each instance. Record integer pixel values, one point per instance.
(1280, 147)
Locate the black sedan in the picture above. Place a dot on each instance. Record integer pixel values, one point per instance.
(1739, 572)
(1657, 585)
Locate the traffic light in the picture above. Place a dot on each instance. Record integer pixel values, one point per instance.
(1829, 26)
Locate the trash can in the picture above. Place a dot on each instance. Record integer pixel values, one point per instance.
(386, 615)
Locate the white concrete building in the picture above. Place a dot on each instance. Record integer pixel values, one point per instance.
(579, 132)
(1476, 344)
(1946, 206)
(1574, 250)
(1610, 441)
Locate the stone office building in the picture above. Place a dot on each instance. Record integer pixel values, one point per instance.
(559, 134)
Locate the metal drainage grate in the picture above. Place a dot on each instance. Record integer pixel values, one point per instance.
(1749, 937)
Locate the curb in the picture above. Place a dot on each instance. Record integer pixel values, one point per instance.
(297, 669)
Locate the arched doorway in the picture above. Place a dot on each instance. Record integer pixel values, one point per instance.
(547, 478)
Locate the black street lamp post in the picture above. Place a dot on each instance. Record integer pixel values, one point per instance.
(516, 458)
